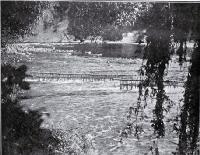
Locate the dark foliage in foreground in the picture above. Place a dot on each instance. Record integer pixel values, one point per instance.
(174, 23)
(189, 129)
(165, 25)
(21, 131)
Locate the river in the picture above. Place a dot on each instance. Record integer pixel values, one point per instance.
(98, 108)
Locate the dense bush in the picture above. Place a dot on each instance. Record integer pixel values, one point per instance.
(21, 130)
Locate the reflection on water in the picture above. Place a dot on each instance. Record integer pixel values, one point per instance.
(119, 50)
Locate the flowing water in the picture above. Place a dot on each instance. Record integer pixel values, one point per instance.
(99, 108)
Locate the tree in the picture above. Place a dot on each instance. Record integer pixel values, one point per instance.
(164, 24)
(187, 20)
(181, 21)
(156, 21)
(111, 33)
(17, 19)
(91, 19)
(21, 130)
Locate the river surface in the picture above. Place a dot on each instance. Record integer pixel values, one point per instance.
(99, 108)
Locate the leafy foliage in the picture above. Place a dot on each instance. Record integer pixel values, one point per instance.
(13, 81)
(164, 24)
(17, 19)
(189, 129)
(91, 19)
(187, 20)
(157, 55)
(21, 129)
(111, 33)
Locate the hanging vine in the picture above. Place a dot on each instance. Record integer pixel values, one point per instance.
(189, 125)
(157, 57)
(164, 26)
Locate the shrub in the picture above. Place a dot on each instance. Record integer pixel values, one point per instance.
(21, 130)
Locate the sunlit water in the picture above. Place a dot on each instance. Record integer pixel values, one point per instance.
(99, 108)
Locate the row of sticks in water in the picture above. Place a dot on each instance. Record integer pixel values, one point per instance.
(79, 76)
(126, 81)
(130, 83)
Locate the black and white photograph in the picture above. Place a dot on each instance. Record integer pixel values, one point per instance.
(98, 77)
